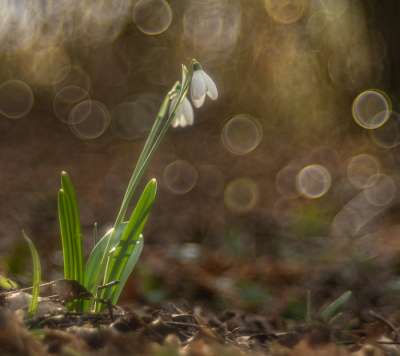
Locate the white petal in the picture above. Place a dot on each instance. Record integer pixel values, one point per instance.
(178, 113)
(187, 111)
(199, 102)
(212, 90)
(198, 88)
(182, 121)
(175, 122)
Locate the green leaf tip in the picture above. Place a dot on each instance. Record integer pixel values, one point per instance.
(153, 181)
(333, 308)
(7, 284)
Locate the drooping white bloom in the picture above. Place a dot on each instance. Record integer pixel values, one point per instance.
(202, 85)
(184, 115)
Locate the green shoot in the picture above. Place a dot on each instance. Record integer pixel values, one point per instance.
(333, 308)
(70, 228)
(37, 271)
(115, 255)
(7, 284)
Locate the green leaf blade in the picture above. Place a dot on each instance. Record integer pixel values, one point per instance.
(72, 212)
(128, 268)
(37, 275)
(333, 308)
(123, 257)
(65, 236)
(70, 229)
(133, 230)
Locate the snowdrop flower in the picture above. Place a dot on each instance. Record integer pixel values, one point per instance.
(202, 85)
(184, 115)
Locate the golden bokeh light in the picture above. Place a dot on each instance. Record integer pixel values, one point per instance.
(242, 134)
(72, 76)
(313, 181)
(89, 119)
(152, 17)
(211, 28)
(362, 169)
(382, 191)
(180, 177)
(371, 109)
(388, 135)
(65, 99)
(241, 195)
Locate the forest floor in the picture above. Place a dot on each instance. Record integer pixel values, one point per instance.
(210, 302)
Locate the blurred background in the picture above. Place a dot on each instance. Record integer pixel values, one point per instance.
(288, 182)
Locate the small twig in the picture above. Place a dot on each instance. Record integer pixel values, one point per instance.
(107, 285)
(230, 332)
(27, 289)
(181, 315)
(387, 322)
(180, 323)
(348, 343)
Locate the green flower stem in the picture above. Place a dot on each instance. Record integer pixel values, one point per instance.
(155, 137)
(138, 172)
(157, 133)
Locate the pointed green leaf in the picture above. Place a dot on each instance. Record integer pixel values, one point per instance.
(72, 212)
(65, 236)
(7, 284)
(122, 255)
(37, 272)
(70, 229)
(133, 230)
(332, 309)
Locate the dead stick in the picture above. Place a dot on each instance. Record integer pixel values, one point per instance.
(385, 321)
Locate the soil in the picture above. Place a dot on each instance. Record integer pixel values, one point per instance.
(218, 319)
(181, 330)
